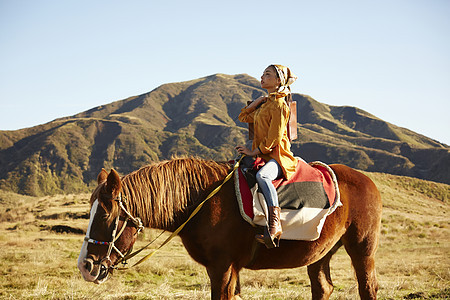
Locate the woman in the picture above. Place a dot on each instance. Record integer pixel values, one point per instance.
(270, 116)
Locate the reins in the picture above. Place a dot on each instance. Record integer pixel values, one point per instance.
(175, 233)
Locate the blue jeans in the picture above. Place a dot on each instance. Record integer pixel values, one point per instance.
(270, 171)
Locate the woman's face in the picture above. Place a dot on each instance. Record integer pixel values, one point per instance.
(270, 80)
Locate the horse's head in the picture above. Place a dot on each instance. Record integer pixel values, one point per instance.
(111, 233)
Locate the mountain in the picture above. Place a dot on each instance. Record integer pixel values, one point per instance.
(199, 117)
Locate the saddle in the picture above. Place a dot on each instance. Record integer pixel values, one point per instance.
(306, 199)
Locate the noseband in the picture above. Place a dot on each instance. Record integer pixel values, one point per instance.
(115, 236)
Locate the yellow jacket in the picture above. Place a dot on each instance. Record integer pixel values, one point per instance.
(270, 128)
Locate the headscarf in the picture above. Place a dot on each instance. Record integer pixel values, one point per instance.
(287, 78)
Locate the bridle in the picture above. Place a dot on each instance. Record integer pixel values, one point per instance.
(115, 236)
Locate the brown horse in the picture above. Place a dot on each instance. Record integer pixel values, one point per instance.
(163, 195)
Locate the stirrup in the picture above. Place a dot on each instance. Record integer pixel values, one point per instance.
(267, 240)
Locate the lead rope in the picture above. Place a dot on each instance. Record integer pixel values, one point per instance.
(175, 233)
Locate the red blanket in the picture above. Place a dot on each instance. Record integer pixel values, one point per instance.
(311, 186)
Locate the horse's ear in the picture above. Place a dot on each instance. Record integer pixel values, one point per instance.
(102, 176)
(113, 183)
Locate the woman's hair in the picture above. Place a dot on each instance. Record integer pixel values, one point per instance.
(275, 70)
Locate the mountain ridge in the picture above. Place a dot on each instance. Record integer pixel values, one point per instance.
(199, 117)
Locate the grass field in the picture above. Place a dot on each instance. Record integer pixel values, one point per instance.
(37, 262)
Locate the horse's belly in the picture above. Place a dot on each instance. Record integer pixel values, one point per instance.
(290, 254)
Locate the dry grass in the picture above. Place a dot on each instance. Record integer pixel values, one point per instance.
(37, 263)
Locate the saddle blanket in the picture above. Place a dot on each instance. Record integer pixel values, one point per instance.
(306, 199)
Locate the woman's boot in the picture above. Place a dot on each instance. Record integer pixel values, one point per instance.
(275, 230)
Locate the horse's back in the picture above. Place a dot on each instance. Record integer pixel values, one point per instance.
(357, 186)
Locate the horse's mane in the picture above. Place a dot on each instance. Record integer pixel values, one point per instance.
(158, 193)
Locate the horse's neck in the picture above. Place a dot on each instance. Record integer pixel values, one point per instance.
(166, 216)
(165, 194)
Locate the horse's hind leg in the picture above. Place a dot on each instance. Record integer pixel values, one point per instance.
(237, 291)
(319, 275)
(362, 254)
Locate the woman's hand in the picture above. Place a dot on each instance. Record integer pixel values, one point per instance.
(246, 151)
(252, 106)
(260, 99)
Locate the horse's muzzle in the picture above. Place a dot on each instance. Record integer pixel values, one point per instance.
(94, 271)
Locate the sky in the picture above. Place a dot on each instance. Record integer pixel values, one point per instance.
(390, 58)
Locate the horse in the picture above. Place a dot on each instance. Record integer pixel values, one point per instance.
(163, 195)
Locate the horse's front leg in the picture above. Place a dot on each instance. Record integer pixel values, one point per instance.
(224, 281)
(319, 274)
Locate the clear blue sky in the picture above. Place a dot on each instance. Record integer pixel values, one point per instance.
(388, 57)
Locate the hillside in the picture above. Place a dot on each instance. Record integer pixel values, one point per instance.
(44, 234)
(199, 117)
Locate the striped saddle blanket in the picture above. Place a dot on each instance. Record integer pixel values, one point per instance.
(306, 199)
